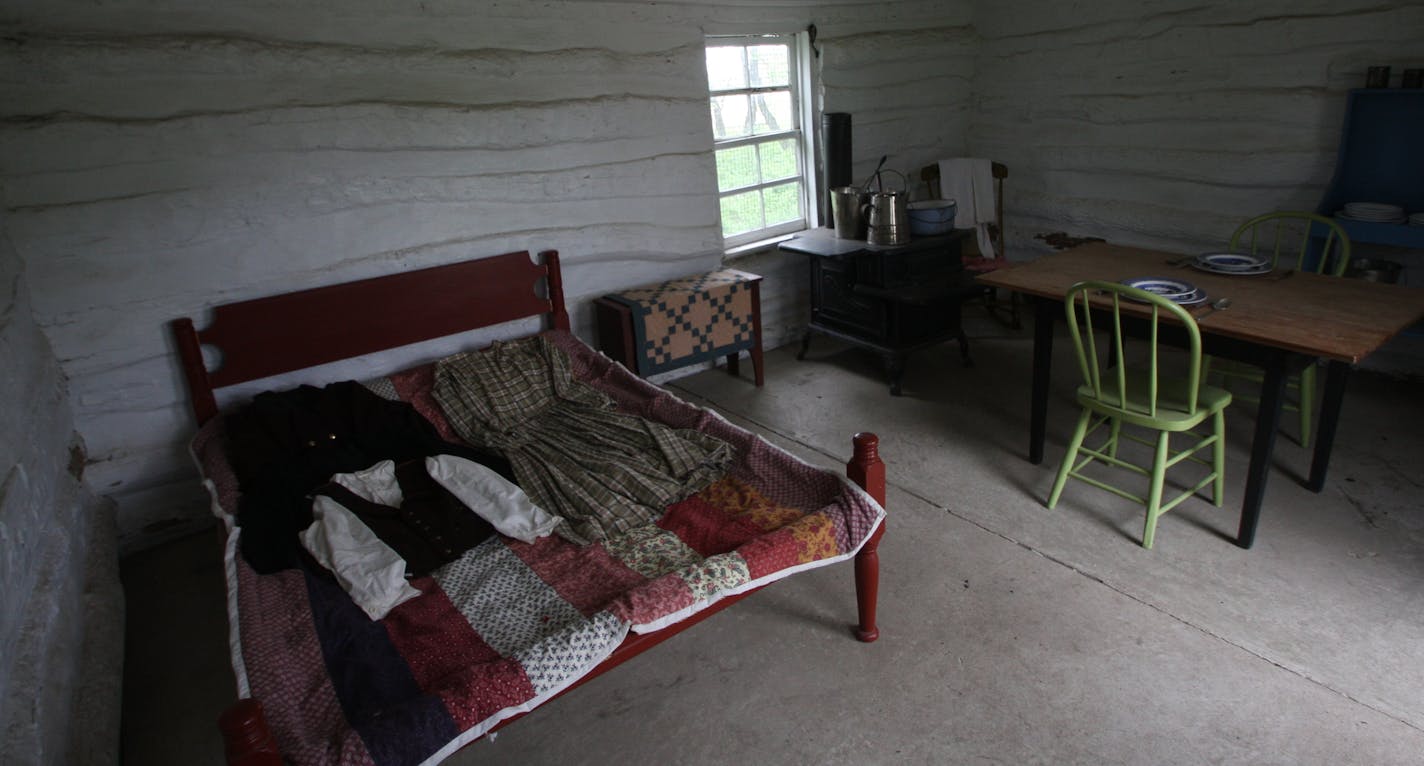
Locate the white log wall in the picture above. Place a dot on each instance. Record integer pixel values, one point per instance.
(1165, 123)
(160, 157)
(61, 655)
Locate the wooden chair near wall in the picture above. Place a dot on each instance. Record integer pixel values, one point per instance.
(1288, 238)
(1005, 311)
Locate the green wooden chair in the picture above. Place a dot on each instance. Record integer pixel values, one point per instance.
(1118, 394)
(1285, 236)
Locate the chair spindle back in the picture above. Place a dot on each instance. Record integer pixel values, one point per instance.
(1151, 308)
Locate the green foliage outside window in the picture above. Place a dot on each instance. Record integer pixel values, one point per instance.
(760, 181)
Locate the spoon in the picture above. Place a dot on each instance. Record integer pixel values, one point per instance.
(1217, 305)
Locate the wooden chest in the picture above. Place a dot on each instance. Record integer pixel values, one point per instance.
(660, 327)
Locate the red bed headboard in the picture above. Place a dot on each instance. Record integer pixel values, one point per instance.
(292, 331)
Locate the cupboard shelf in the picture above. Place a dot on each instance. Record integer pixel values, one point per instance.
(1381, 159)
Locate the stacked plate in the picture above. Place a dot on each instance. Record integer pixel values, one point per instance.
(1240, 264)
(1375, 212)
(1175, 290)
(1417, 219)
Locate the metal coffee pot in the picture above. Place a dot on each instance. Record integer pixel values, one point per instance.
(888, 218)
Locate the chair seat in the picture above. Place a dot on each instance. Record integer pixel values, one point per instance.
(1172, 411)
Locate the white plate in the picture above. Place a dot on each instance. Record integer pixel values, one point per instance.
(1173, 289)
(1373, 208)
(1234, 272)
(1198, 297)
(1232, 262)
(1346, 216)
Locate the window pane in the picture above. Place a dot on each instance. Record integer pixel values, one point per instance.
(770, 65)
(731, 117)
(741, 213)
(783, 203)
(778, 159)
(726, 67)
(761, 186)
(772, 112)
(736, 168)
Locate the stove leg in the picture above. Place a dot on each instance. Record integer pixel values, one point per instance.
(895, 369)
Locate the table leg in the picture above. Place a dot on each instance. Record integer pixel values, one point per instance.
(1337, 373)
(1044, 314)
(1263, 444)
(805, 345)
(734, 365)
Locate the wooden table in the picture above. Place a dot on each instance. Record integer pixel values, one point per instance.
(1280, 321)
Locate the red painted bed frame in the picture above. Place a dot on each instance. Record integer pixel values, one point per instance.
(293, 331)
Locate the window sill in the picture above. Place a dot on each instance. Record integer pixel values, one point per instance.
(760, 245)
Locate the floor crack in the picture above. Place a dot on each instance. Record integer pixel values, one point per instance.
(1360, 508)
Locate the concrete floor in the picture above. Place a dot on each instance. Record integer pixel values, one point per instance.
(1009, 633)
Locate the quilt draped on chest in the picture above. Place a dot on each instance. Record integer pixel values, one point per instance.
(604, 471)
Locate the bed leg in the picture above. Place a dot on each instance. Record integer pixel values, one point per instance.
(866, 469)
(246, 738)
(867, 586)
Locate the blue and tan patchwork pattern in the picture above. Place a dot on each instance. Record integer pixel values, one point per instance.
(692, 319)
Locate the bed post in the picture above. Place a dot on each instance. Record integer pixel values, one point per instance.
(556, 290)
(190, 352)
(866, 469)
(246, 738)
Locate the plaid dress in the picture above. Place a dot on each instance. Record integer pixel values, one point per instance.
(605, 472)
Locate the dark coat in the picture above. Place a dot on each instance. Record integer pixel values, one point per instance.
(285, 444)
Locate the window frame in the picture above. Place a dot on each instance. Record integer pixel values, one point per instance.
(803, 109)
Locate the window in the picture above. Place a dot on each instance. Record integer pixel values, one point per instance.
(759, 108)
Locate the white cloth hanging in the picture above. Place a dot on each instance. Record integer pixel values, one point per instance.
(969, 181)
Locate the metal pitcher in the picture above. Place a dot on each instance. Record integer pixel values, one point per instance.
(846, 210)
(887, 218)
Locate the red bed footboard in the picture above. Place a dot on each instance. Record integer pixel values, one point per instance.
(248, 741)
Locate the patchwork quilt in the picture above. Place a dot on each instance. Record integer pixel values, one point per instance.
(509, 624)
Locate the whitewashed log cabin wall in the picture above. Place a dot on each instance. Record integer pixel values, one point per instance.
(59, 590)
(161, 157)
(1165, 123)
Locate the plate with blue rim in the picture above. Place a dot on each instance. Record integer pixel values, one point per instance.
(1232, 263)
(1175, 290)
(1171, 289)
